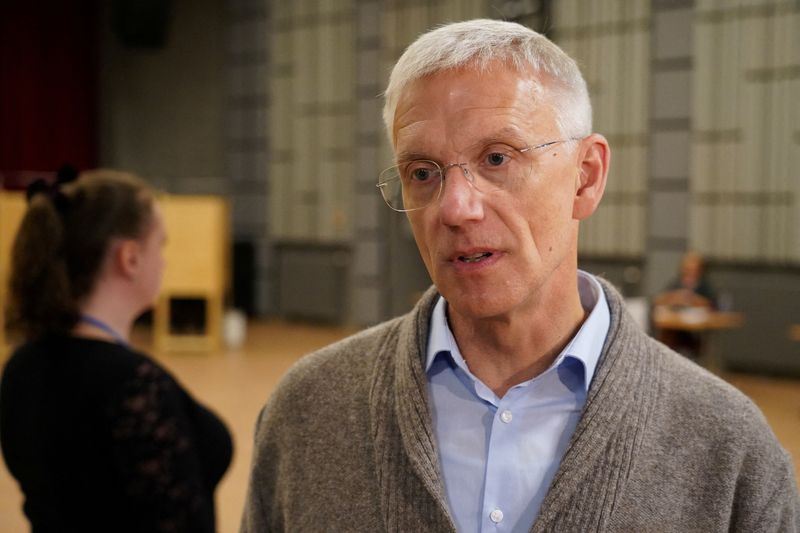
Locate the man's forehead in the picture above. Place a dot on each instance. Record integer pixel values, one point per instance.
(495, 99)
(469, 128)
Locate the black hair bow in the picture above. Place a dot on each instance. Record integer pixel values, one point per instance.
(66, 174)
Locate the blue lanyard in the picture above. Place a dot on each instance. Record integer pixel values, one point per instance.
(99, 324)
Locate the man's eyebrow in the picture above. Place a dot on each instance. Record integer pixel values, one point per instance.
(507, 134)
(406, 156)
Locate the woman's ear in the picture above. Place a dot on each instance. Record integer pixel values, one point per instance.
(594, 158)
(127, 257)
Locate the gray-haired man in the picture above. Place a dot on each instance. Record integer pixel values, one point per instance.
(518, 395)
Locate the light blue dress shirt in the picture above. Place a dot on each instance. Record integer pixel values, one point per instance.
(499, 455)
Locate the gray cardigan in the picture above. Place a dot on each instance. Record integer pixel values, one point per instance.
(346, 444)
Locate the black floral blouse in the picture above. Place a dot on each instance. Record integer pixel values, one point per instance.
(102, 438)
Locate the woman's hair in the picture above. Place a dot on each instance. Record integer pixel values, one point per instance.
(482, 42)
(61, 244)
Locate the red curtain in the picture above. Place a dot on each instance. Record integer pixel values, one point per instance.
(48, 57)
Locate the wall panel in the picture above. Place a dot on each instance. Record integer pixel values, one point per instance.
(610, 40)
(744, 174)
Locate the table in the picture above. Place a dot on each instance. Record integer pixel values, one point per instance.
(698, 320)
(794, 332)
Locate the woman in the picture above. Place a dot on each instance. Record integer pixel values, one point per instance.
(99, 436)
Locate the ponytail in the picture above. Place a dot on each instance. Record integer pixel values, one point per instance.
(40, 293)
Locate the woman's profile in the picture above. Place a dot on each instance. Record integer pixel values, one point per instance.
(99, 436)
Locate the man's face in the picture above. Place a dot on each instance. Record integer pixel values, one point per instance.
(490, 252)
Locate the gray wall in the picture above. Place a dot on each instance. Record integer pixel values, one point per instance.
(162, 110)
(770, 299)
(191, 116)
(247, 107)
(670, 136)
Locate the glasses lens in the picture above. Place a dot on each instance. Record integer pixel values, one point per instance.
(500, 167)
(417, 184)
(411, 185)
(391, 188)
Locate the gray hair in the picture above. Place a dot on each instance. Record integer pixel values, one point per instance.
(481, 42)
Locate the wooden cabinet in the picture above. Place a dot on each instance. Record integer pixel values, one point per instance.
(12, 209)
(197, 257)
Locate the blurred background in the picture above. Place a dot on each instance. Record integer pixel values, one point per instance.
(274, 107)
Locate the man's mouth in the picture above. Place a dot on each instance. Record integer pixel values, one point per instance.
(474, 258)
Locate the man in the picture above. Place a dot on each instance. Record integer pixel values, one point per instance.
(518, 395)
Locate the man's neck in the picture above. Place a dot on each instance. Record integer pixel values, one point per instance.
(510, 349)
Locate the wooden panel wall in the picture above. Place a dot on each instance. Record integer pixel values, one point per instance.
(311, 126)
(610, 40)
(746, 143)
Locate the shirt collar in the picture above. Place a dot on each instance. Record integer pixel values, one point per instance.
(584, 347)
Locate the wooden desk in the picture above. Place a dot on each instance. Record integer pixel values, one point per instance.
(701, 321)
(794, 332)
(696, 320)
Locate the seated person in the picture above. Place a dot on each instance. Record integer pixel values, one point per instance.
(690, 289)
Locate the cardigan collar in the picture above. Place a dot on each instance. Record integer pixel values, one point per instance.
(600, 453)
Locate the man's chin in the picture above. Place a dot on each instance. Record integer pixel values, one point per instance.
(477, 305)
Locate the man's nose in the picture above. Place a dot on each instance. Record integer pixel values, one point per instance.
(461, 201)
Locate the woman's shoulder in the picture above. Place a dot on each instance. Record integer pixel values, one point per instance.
(90, 364)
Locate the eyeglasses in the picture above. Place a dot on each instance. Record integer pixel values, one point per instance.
(417, 184)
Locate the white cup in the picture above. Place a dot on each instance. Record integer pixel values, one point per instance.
(234, 328)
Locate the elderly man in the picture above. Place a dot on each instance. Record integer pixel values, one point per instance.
(518, 395)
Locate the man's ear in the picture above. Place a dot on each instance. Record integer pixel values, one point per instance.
(594, 157)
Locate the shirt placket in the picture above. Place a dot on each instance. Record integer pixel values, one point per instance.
(496, 512)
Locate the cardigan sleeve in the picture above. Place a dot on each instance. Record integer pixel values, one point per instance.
(255, 517)
(766, 495)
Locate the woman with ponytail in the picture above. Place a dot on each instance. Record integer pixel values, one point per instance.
(99, 436)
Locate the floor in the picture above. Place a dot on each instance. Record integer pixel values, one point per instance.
(236, 384)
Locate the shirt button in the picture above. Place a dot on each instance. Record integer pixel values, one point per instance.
(496, 516)
(506, 417)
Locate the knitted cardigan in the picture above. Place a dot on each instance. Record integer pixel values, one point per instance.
(346, 444)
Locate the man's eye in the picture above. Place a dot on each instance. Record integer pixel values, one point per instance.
(496, 159)
(421, 174)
